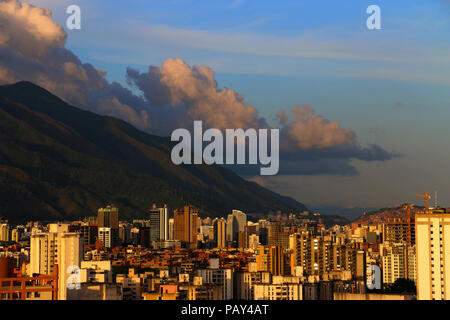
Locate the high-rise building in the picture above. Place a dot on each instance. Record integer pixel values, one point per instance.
(318, 256)
(236, 223)
(220, 232)
(159, 224)
(398, 230)
(310, 252)
(277, 235)
(125, 232)
(5, 232)
(144, 236)
(270, 259)
(89, 233)
(105, 236)
(399, 262)
(58, 247)
(433, 260)
(109, 218)
(243, 239)
(253, 241)
(185, 225)
(171, 228)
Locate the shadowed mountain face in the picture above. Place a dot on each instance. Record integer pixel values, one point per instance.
(58, 161)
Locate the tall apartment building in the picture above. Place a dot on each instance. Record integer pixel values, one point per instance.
(433, 260)
(159, 223)
(109, 218)
(315, 255)
(277, 235)
(58, 247)
(271, 259)
(89, 233)
(16, 234)
(5, 232)
(186, 225)
(171, 228)
(220, 232)
(243, 239)
(318, 256)
(105, 236)
(399, 262)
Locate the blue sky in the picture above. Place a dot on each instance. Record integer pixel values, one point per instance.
(390, 86)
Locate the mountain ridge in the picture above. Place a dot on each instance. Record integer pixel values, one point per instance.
(59, 161)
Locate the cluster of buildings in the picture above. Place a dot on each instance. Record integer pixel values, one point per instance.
(186, 257)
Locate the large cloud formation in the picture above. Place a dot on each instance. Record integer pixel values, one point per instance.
(32, 48)
(310, 131)
(176, 83)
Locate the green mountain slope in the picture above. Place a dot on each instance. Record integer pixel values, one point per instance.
(58, 161)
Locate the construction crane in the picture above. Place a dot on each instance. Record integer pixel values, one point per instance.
(408, 208)
(427, 197)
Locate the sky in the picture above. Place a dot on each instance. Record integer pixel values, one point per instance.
(387, 88)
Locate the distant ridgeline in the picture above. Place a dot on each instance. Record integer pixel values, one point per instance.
(58, 161)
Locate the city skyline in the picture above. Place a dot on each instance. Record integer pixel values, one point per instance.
(279, 258)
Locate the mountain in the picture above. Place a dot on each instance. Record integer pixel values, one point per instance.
(61, 162)
(384, 214)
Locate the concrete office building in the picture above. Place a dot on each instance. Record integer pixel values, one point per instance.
(109, 218)
(186, 225)
(159, 223)
(236, 222)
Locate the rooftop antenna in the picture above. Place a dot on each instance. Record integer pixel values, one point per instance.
(435, 199)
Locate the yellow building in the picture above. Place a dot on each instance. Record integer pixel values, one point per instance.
(433, 255)
(58, 247)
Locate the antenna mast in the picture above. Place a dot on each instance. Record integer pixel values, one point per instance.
(435, 199)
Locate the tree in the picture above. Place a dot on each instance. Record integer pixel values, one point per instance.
(402, 286)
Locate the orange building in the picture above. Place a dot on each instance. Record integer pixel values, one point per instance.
(15, 287)
(186, 225)
(270, 259)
